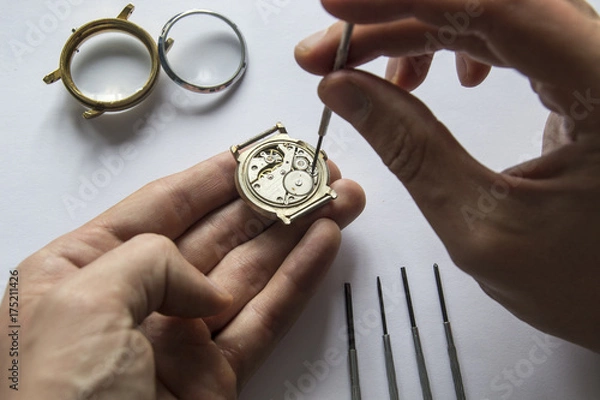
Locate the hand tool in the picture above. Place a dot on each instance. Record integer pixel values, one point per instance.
(340, 62)
(454, 365)
(387, 348)
(352, 355)
(423, 377)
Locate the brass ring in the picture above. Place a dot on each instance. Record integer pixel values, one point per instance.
(119, 24)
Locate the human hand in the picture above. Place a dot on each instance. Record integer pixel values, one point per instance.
(528, 235)
(122, 308)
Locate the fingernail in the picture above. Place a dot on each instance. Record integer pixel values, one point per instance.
(462, 68)
(345, 97)
(311, 41)
(392, 70)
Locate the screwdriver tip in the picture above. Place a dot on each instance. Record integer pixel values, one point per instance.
(381, 306)
(438, 281)
(349, 316)
(316, 159)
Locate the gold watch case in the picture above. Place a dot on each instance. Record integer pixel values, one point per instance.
(85, 32)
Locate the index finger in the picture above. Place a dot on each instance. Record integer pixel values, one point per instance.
(167, 206)
(375, 11)
(402, 38)
(535, 36)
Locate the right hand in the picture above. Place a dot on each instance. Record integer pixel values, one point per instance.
(528, 235)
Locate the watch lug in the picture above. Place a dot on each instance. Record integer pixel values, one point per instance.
(89, 114)
(281, 128)
(324, 199)
(52, 77)
(235, 151)
(278, 127)
(284, 218)
(127, 11)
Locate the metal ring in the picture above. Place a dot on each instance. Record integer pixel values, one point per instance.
(119, 24)
(164, 44)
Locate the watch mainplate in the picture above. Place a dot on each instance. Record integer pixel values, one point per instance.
(274, 177)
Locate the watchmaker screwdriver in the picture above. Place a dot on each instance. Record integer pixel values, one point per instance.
(340, 62)
(454, 365)
(390, 369)
(352, 355)
(423, 377)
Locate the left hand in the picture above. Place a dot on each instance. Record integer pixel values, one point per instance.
(85, 299)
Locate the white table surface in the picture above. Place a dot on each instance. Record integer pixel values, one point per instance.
(48, 150)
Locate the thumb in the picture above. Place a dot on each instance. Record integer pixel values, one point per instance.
(443, 179)
(143, 275)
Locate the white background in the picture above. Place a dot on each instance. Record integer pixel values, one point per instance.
(47, 149)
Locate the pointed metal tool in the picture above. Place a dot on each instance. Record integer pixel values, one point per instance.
(423, 377)
(390, 369)
(454, 365)
(340, 62)
(352, 355)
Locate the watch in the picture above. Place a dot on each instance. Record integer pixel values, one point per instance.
(274, 175)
